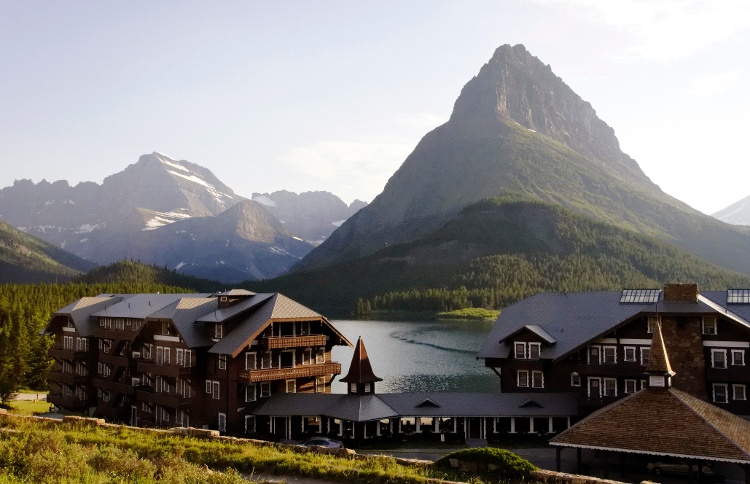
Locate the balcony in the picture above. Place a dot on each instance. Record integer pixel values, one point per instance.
(284, 342)
(62, 354)
(171, 400)
(164, 369)
(106, 410)
(624, 369)
(114, 360)
(731, 374)
(114, 387)
(324, 369)
(115, 334)
(69, 403)
(67, 378)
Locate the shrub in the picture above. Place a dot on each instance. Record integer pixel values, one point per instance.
(490, 460)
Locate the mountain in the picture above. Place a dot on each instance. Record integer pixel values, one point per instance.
(517, 127)
(163, 211)
(737, 213)
(27, 259)
(310, 215)
(498, 251)
(139, 277)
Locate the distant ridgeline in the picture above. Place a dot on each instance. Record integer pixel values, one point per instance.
(494, 253)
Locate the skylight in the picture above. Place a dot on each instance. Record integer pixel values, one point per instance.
(640, 295)
(738, 296)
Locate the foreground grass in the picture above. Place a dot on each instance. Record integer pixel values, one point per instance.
(28, 407)
(32, 450)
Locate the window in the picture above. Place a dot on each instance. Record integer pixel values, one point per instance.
(610, 354)
(218, 330)
(249, 424)
(216, 392)
(575, 379)
(610, 387)
(208, 386)
(67, 342)
(291, 386)
(265, 361)
(520, 351)
(287, 359)
(595, 387)
(720, 392)
(709, 325)
(645, 352)
(222, 362)
(147, 351)
(188, 358)
(523, 378)
(320, 384)
(82, 344)
(719, 358)
(251, 360)
(180, 357)
(535, 351)
(738, 392)
(222, 422)
(594, 358)
(304, 328)
(532, 351)
(630, 386)
(367, 387)
(738, 357)
(353, 388)
(159, 355)
(537, 379)
(165, 328)
(166, 355)
(306, 356)
(629, 353)
(320, 356)
(265, 389)
(652, 323)
(250, 393)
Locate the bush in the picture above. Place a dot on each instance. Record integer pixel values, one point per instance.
(490, 460)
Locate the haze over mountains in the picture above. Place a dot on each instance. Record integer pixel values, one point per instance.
(517, 127)
(175, 214)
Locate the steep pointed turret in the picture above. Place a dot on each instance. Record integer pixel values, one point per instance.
(659, 369)
(360, 379)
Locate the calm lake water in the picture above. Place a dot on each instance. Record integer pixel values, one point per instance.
(424, 356)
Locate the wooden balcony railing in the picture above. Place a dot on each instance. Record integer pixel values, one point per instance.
(252, 376)
(171, 400)
(67, 378)
(114, 386)
(164, 369)
(282, 342)
(115, 360)
(59, 353)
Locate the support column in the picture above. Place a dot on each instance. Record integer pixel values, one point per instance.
(418, 422)
(436, 424)
(512, 425)
(568, 422)
(289, 428)
(551, 425)
(558, 451)
(484, 427)
(531, 425)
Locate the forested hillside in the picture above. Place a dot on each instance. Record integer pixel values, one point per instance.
(25, 310)
(496, 252)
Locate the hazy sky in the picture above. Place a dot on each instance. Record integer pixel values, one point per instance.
(333, 95)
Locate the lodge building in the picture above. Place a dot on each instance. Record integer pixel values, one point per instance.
(596, 345)
(202, 360)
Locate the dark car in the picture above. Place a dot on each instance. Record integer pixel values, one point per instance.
(323, 442)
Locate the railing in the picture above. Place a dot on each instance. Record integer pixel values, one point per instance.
(171, 400)
(731, 374)
(70, 402)
(115, 360)
(629, 369)
(252, 376)
(63, 354)
(164, 369)
(114, 386)
(67, 378)
(282, 342)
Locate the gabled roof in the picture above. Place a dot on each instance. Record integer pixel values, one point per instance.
(224, 314)
(663, 422)
(235, 292)
(261, 310)
(141, 306)
(183, 314)
(360, 369)
(81, 310)
(537, 330)
(361, 408)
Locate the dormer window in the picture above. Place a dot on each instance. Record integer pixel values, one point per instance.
(528, 351)
(709, 325)
(352, 388)
(520, 351)
(219, 331)
(165, 328)
(652, 323)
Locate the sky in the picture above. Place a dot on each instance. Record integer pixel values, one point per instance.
(333, 95)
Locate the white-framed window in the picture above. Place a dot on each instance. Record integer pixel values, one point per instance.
(537, 379)
(575, 379)
(527, 351)
(368, 387)
(630, 386)
(594, 355)
(523, 378)
(739, 392)
(629, 353)
(738, 357)
(353, 387)
(320, 356)
(159, 355)
(106, 370)
(68, 343)
(188, 358)
(218, 330)
(167, 357)
(291, 386)
(147, 351)
(610, 387)
(105, 396)
(535, 351)
(180, 356)
(165, 328)
(250, 393)
(644, 383)
(652, 323)
(209, 385)
(718, 358)
(222, 362)
(82, 344)
(708, 325)
(265, 389)
(306, 356)
(320, 384)
(609, 354)
(216, 390)
(266, 360)
(249, 424)
(720, 392)
(251, 360)
(594, 387)
(222, 422)
(520, 350)
(645, 353)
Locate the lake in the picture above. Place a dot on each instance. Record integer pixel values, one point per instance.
(423, 356)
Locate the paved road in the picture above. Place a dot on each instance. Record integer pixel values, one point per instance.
(30, 396)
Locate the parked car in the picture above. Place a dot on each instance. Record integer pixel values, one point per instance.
(702, 471)
(323, 442)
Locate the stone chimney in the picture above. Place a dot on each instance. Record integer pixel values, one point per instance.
(681, 292)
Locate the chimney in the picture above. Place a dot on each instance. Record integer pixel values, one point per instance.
(681, 292)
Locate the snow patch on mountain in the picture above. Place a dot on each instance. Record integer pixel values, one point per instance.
(219, 196)
(86, 228)
(180, 266)
(164, 218)
(264, 200)
(338, 223)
